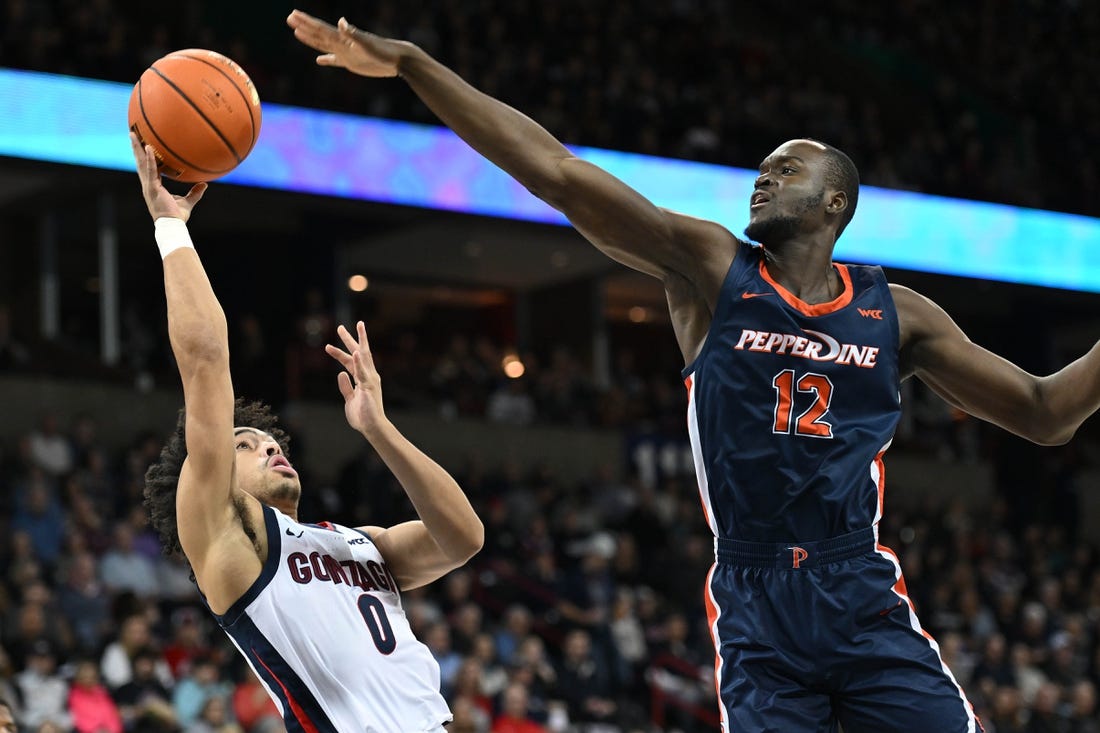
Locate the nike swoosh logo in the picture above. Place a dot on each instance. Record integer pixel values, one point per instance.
(746, 296)
(291, 534)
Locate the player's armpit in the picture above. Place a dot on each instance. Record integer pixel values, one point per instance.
(412, 556)
(224, 557)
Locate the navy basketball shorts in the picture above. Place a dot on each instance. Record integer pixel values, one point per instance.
(818, 634)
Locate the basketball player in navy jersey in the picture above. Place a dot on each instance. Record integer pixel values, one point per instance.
(793, 370)
(314, 608)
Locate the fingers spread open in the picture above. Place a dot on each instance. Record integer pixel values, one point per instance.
(341, 356)
(196, 193)
(312, 31)
(343, 381)
(345, 336)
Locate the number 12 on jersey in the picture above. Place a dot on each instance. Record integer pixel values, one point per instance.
(809, 423)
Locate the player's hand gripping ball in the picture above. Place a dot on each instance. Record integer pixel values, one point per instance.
(199, 111)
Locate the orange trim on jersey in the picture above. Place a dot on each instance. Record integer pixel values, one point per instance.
(881, 482)
(712, 619)
(706, 514)
(899, 586)
(900, 589)
(816, 309)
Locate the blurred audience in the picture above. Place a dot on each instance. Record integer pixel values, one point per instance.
(582, 611)
(925, 95)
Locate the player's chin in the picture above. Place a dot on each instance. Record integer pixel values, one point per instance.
(286, 489)
(757, 228)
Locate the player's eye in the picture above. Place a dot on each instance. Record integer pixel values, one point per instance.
(243, 444)
(785, 170)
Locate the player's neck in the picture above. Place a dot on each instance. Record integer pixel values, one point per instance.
(805, 269)
(287, 508)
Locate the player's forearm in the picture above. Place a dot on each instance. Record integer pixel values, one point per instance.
(196, 322)
(511, 140)
(436, 496)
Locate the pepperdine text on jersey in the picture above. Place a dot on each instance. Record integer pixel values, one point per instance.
(807, 348)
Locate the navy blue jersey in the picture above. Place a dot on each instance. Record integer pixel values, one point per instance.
(792, 405)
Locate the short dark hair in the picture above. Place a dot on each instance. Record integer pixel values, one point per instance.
(162, 478)
(841, 173)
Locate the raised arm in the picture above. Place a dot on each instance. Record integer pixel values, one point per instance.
(449, 532)
(197, 330)
(1046, 410)
(614, 217)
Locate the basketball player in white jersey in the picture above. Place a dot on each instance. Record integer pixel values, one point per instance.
(315, 609)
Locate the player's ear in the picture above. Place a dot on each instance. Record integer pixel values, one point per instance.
(838, 202)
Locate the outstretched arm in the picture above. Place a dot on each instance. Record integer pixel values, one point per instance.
(1046, 410)
(449, 532)
(197, 330)
(614, 217)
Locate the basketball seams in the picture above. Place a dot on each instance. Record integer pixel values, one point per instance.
(160, 140)
(233, 82)
(196, 114)
(207, 120)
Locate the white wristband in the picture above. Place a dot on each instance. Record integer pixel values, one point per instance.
(171, 235)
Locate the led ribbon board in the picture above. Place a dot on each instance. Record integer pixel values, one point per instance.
(83, 122)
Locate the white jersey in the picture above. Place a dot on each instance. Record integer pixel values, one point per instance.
(324, 630)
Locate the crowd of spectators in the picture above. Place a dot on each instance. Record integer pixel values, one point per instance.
(584, 609)
(924, 94)
(986, 100)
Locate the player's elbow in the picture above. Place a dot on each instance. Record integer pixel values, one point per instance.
(199, 341)
(477, 539)
(549, 181)
(1053, 436)
(1049, 428)
(1050, 423)
(200, 350)
(473, 539)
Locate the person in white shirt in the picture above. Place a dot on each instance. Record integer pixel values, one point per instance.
(315, 609)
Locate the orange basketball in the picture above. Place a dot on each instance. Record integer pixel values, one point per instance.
(199, 111)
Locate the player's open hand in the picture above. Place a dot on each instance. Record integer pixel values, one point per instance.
(346, 46)
(359, 384)
(157, 197)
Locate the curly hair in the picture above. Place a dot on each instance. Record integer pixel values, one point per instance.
(162, 477)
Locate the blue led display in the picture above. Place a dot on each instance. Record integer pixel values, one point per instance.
(83, 122)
